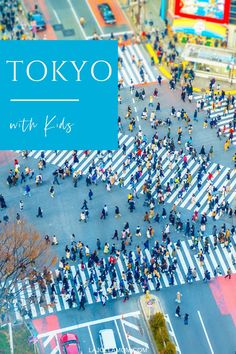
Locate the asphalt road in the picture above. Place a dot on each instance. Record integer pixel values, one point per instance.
(125, 320)
(63, 19)
(209, 330)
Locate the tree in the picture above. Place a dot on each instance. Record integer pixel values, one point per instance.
(24, 257)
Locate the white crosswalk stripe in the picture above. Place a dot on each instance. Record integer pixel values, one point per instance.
(129, 70)
(186, 257)
(226, 117)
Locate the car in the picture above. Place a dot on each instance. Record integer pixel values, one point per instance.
(107, 14)
(37, 17)
(107, 341)
(69, 344)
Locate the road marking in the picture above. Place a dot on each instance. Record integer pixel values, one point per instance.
(115, 34)
(56, 15)
(204, 329)
(173, 333)
(126, 337)
(117, 328)
(132, 325)
(76, 18)
(56, 350)
(138, 341)
(91, 337)
(96, 20)
(45, 343)
(91, 323)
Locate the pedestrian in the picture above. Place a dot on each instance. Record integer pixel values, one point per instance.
(103, 214)
(21, 205)
(52, 191)
(98, 244)
(81, 303)
(55, 177)
(117, 212)
(178, 297)
(103, 299)
(177, 312)
(186, 316)
(27, 190)
(40, 213)
(229, 272)
(115, 236)
(18, 220)
(90, 194)
(106, 248)
(54, 240)
(126, 293)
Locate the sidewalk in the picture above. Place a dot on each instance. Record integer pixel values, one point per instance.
(150, 12)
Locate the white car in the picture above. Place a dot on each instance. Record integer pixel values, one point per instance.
(107, 340)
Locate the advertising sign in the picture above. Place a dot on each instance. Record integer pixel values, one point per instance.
(208, 10)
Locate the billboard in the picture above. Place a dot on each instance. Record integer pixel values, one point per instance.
(208, 10)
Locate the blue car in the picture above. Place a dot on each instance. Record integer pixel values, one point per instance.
(38, 18)
(107, 14)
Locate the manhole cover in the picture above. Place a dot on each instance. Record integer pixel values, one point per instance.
(68, 32)
(58, 27)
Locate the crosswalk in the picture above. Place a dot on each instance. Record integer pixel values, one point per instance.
(219, 110)
(226, 188)
(28, 295)
(130, 68)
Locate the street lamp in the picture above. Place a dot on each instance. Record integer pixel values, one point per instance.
(10, 335)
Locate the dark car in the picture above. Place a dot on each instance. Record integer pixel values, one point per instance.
(70, 344)
(107, 14)
(38, 19)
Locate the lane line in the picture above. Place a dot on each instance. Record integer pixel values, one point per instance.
(96, 20)
(138, 341)
(91, 337)
(91, 323)
(77, 18)
(56, 15)
(204, 329)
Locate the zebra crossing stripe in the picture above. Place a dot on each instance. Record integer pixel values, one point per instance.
(66, 157)
(59, 156)
(29, 293)
(87, 292)
(180, 276)
(204, 188)
(220, 110)
(38, 294)
(129, 70)
(221, 176)
(146, 65)
(51, 157)
(126, 70)
(190, 261)
(173, 195)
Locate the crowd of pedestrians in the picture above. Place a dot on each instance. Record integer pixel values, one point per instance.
(13, 25)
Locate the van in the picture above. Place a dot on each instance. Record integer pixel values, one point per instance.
(107, 340)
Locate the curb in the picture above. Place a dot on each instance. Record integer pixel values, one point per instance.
(149, 332)
(167, 74)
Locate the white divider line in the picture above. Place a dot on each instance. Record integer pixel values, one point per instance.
(206, 335)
